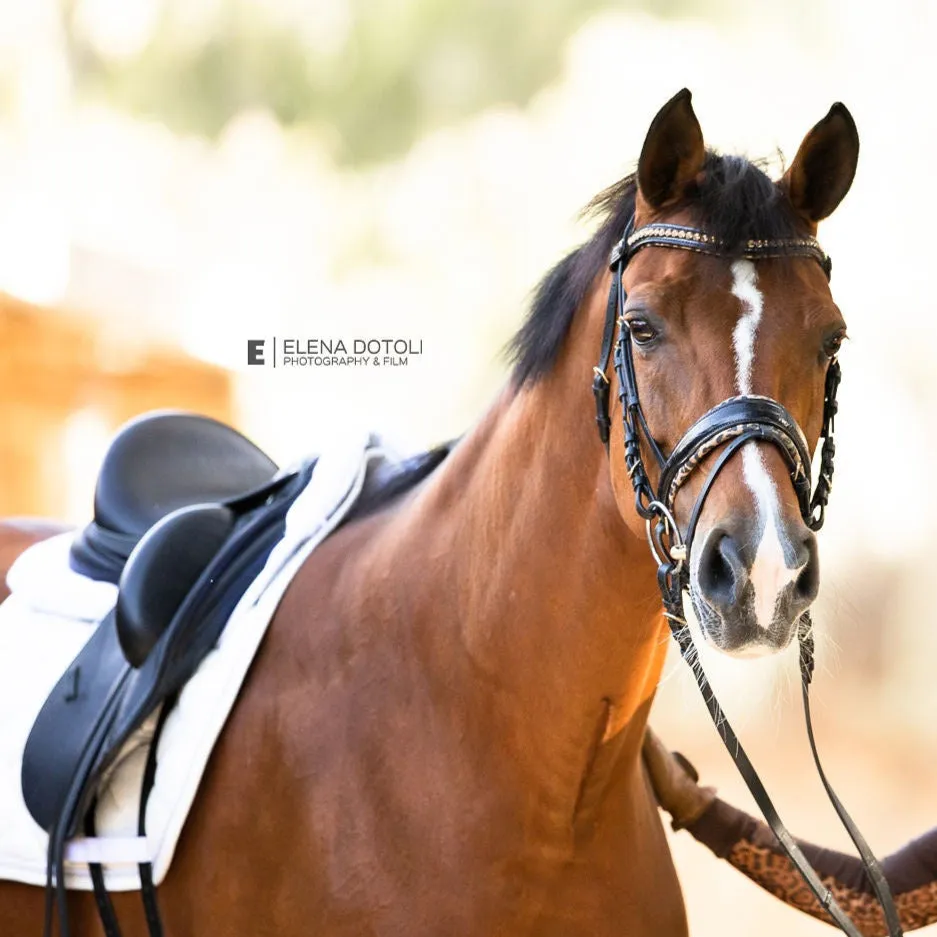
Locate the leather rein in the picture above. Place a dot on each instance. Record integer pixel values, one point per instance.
(727, 427)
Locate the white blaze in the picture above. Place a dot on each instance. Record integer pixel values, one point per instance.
(769, 573)
(745, 287)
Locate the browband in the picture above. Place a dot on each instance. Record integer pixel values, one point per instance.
(692, 239)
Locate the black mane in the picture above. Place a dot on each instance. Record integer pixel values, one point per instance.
(735, 201)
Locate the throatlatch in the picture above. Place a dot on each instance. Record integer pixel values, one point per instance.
(726, 427)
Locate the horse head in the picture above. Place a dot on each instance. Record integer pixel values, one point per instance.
(745, 312)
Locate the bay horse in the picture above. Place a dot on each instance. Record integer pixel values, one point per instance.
(441, 732)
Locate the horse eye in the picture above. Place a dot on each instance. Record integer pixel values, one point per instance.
(833, 344)
(642, 332)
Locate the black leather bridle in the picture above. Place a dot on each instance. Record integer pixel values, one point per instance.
(726, 427)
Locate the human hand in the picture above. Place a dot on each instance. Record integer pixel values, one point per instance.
(675, 782)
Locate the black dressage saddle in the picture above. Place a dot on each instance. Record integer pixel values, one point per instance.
(186, 513)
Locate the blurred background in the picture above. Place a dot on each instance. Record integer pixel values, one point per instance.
(178, 177)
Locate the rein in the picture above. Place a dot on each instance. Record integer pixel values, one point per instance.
(727, 426)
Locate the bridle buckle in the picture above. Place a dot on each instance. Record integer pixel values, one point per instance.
(673, 552)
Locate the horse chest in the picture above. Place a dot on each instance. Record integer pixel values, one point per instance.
(393, 832)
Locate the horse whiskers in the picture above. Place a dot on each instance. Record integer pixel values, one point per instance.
(826, 661)
(769, 682)
(678, 665)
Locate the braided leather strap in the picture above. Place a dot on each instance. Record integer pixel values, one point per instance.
(821, 494)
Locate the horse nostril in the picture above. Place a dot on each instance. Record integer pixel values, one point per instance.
(721, 572)
(807, 583)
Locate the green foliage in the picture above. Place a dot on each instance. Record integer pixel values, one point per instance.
(400, 67)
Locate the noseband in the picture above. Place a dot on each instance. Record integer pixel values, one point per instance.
(727, 427)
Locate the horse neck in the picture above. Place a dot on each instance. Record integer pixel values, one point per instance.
(546, 590)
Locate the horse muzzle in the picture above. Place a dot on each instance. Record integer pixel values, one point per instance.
(749, 588)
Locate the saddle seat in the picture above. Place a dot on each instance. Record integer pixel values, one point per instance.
(156, 464)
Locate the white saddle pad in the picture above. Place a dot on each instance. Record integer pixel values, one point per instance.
(52, 612)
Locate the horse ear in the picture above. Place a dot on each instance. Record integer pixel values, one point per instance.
(824, 166)
(673, 153)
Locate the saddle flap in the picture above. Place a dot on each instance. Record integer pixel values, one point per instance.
(72, 724)
(161, 571)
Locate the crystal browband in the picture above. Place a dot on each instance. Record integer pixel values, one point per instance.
(692, 239)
